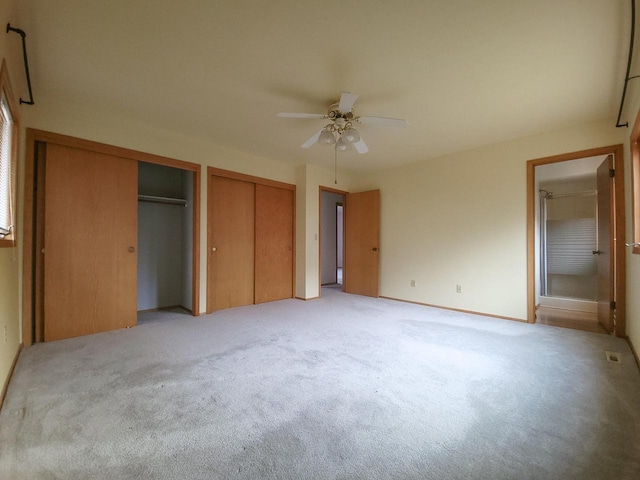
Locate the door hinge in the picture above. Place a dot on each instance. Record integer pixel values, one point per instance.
(612, 305)
(612, 173)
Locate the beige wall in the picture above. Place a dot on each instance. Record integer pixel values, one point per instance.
(461, 220)
(310, 178)
(632, 107)
(11, 51)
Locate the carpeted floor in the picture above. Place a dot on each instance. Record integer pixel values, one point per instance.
(344, 387)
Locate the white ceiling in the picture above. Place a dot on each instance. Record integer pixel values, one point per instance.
(463, 73)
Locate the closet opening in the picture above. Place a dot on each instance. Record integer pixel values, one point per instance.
(165, 242)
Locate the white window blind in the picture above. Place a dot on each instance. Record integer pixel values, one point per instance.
(6, 172)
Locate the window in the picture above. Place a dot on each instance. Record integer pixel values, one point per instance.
(634, 142)
(8, 150)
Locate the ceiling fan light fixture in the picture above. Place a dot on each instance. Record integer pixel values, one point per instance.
(342, 145)
(351, 135)
(340, 132)
(327, 137)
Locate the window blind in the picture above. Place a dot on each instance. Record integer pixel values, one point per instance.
(6, 172)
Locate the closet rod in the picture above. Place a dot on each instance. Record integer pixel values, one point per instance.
(164, 200)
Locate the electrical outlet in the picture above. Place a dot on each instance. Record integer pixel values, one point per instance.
(458, 288)
(413, 283)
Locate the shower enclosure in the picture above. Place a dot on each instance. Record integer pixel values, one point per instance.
(568, 245)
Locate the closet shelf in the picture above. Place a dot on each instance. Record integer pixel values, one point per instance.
(165, 200)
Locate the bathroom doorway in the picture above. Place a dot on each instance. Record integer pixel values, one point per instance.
(574, 255)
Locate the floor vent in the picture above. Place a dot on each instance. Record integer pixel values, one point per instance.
(613, 357)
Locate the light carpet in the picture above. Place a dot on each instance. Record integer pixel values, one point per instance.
(344, 387)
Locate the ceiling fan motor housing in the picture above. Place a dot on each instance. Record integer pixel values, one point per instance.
(341, 131)
(341, 120)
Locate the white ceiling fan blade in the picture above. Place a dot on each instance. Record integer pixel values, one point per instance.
(383, 121)
(347, 99)
(301, 115)
(313, 139)
(360, 146)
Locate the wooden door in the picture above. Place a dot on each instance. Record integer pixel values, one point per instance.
(90, 239)
(230, 272)
(605, 250)
(274, 243)
(362, 238)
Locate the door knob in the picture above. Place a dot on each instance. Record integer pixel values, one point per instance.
(131, 249)
(375, 249)
(213, 249)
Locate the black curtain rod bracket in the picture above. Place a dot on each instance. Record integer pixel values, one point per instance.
(26, 62)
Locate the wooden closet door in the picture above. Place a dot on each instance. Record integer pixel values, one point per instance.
(230, 274)
(274, 243)
(90, 241)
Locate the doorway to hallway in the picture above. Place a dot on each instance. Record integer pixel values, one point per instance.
(331, 237)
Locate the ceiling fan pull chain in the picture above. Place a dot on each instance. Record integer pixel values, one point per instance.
(335, 166)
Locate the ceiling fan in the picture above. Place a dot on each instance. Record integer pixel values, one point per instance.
(341, 130)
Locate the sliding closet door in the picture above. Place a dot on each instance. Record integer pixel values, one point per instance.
(89, 243)
(230, 243)
(274, 243)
